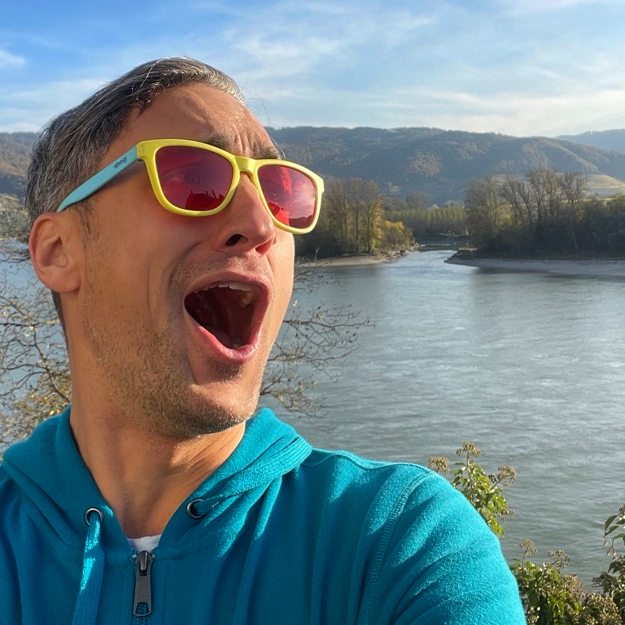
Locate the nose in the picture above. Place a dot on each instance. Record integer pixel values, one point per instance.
(245, 223)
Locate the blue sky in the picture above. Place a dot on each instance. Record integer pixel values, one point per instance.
(519, 67)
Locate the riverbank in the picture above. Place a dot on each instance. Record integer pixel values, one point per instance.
(362, 260)
(600, 267)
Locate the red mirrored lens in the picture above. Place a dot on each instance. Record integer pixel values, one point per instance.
(193, 178)
(290, 194)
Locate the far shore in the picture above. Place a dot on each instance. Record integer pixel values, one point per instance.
(599, 267)
(362, 260)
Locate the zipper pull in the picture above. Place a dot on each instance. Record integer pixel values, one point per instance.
(143, 585)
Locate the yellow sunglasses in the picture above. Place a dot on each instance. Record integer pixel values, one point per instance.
(196, 179)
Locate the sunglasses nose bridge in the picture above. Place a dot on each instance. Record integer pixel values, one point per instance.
(249, 166)
(246, 165)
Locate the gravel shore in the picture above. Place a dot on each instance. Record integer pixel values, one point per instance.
(346, 261)
(596, 268)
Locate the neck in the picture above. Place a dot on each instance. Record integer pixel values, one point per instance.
(144, 476)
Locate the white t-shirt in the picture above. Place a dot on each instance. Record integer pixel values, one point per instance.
(145, 543)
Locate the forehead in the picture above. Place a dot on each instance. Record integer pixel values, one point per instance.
(200, 113)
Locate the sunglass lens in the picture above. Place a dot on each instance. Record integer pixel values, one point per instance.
(290, 194)
(193, 178)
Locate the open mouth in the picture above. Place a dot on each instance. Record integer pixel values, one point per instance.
(226, 310)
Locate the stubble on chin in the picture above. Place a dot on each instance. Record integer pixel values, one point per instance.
(185, 413)
(171, 406)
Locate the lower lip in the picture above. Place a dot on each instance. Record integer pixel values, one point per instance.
(235, 356)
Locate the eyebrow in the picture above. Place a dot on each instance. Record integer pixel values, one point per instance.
(224, 142)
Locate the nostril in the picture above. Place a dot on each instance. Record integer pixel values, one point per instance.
(234, 239)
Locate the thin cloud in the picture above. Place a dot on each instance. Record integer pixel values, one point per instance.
(29, 109)
(517, 113)
(528, 7)
(7, 59)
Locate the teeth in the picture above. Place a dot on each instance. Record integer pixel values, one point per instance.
(248, 293)
(235, 286)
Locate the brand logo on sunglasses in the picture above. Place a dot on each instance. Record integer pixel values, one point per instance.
(120, 161)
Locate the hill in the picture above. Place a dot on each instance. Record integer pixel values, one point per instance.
(439, 163)
(605, 139)
(15, 148)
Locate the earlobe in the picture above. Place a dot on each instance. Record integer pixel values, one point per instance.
(55, 250)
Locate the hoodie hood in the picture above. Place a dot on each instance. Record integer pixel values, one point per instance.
(58, 488)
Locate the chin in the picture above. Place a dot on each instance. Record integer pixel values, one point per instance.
(197, 413)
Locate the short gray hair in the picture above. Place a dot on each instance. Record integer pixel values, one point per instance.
(72, 145)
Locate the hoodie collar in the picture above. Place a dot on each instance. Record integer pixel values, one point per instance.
(268, 450)
(57, 484)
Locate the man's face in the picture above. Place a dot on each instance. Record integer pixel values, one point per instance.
(176, 315)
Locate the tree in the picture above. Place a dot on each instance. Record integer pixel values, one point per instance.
(394, 236)
(484, 209)
(518, 194)
(612, 581)
(425, 221)
(369, 203)
(545, 211)
(350, 222)
(573, 188)
(416, 201)
(33, 361)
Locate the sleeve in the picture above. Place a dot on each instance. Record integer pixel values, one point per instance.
(438, 563)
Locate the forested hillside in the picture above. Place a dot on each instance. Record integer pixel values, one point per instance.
(438, 163)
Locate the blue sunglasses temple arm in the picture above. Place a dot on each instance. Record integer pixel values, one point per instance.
(97, 181)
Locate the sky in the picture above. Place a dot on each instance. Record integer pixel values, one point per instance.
(516, 67)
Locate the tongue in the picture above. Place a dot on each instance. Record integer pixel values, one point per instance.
(222, 337)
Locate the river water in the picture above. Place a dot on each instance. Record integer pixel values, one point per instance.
(530, 367)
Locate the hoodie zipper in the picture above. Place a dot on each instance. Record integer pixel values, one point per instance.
(142, 603)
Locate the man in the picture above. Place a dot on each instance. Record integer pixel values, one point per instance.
(163, 222)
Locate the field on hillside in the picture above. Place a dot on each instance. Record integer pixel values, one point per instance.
(604, 186)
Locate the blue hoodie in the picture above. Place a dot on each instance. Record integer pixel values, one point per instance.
(280, 534)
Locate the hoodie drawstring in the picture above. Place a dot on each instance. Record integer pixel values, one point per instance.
(88, 599)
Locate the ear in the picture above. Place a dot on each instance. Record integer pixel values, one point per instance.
(56, 250)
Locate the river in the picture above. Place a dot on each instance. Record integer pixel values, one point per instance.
(530, 367)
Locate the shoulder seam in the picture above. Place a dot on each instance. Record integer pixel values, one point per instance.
(364, 463)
